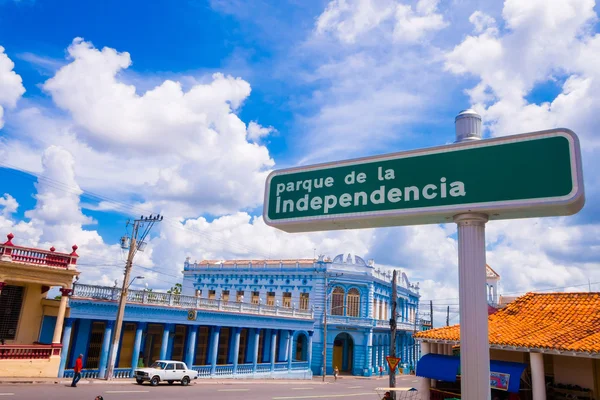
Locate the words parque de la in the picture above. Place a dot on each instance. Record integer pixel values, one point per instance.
(354, 197)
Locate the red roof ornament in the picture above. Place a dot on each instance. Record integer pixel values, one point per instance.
(74, 254)
(52, 249)
(10, 237)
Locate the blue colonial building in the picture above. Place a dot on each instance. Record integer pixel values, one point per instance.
(249, 318)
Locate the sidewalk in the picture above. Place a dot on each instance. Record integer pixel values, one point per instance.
(316, 380)
(127, 381)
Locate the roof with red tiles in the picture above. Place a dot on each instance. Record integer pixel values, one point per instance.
(557, 321)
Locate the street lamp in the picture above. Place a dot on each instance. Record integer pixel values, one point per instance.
(137, 277)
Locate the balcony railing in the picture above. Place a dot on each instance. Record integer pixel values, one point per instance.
(367, 322)
(26, 255)
(28, 352)
(181, 301)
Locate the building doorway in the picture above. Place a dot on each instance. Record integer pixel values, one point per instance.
(343, 353)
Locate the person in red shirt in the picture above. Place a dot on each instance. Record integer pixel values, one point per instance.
(77, 370)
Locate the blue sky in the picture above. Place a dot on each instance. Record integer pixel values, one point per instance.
(122, 114)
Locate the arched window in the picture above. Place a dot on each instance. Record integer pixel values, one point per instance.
(337, 301)
(353, 303)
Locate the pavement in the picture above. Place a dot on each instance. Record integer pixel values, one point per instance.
(126, 389)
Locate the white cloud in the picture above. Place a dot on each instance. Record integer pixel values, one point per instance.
(543, 41)
(257, 132)
(9, 205)
(349, 20)
(483, 22)
(186, 152)
(11, 87)
(412, 26)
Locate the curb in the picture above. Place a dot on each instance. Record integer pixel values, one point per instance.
(131, 382)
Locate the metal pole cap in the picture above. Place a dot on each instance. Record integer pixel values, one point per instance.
(468, 126)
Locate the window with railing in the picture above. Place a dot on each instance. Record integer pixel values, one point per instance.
(287, 300)
(380, 310)
(255, 297)
(353, 303)
(239, 297)
(223, 345)
(202, 346)
(270, 298)
(178, 343)
(304, 301)
(11, 300)
(95, 345)
(337, 301)
(211, 294)
(225, 295)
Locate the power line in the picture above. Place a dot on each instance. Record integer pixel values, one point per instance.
(519, 292)
(121, 206)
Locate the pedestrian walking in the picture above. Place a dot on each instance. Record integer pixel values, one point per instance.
(336, 372)
(77, 370)
(380, 370)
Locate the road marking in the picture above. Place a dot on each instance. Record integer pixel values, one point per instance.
(7, 394)
(233, 390)
(416, 380)
(324, 396)
(354, 387)
(303, 388)
(126, 391)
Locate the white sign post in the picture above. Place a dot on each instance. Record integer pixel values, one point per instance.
(474, 338)
(469, 182)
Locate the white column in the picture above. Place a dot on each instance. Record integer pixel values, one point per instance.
(538, 380)
(474, 340)
(62, 308)
(426, 382)
(434, 349)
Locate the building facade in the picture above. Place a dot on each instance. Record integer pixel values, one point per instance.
(542, 346)
(26, 276)
(356, 295)
(248, 318)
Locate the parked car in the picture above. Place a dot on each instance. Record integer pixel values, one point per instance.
(165, 371)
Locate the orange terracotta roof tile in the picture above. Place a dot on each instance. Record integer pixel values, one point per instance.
(558, 321)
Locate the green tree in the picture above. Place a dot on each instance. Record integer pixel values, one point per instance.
(175, 289)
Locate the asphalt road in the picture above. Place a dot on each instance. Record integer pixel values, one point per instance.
(344, 388)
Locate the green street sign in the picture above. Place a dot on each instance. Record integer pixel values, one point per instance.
(529, 175)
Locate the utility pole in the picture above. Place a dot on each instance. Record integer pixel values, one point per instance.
(431, 312)
(448, 316)
(393, 332)
(415, 350)
(134, 245)
(325, 328)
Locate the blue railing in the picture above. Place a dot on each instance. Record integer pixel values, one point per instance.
(298, 365)
(221, 370)
(244, 369)
(281, 366)
(204, 370)
(262, 368)
(93, 373)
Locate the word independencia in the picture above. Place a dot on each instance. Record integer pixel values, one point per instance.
(379, 196)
